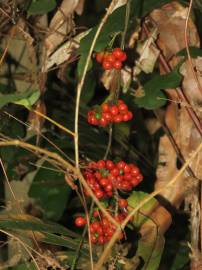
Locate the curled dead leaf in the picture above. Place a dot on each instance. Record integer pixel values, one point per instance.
(62, 23)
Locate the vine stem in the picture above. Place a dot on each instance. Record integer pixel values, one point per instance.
(114, 238)
(81, 82)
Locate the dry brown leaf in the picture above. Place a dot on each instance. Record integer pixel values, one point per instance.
(62, 24)
(148, 55)
(64, 52)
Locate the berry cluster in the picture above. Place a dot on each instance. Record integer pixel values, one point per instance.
(101, 229)
(106, 114)
(105, 176)
(111, 60)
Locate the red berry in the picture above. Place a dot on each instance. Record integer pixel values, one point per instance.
(120, 101)
(103, 122)
(100, 229)
(135, 170)
(120, 165)
(101, 164)
(80, 221)
(139, 177)
(99, 57)
(107, 116)
(109, 187)
(117, 64)
(95, 225)
(110, 58)
(123, 57)
(117, 52)
(106, 65)
(96, 213)
(127, 168)
(98, 175)
(93, 121)
(123, 107)
(114, 110)
(105, 107)
(109, 164)
(118, 118)
(99, 193)
(122, 203)
(115, 172)
(134, 182)
(101, 240)
(127, 176)
(126, 117)
(130, 115)
(104, 182)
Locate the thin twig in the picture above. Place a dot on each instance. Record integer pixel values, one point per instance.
(55, 123)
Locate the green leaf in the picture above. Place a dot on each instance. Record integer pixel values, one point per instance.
(26, 99)
(150, 249)
(29, 101)
(88, 89)
(194, 52)
(154, 97)
(151, 244)
(51, 191)
(141, 216)
(38, 7)
(27, 222)
(181, 258)
(63, 242)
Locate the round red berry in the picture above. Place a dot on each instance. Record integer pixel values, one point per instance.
(110, 58)
(117, 64)
(114, 110)
(123, 57)
(109, 164)
(122, 203)
(80, 221)
(99, 57)
(120, 165)
(101, 164)
(117, 52)
(99, 193)
(104, 182)
(106, 65)
(123, 107)
(96, 213)
(105, 107)
(103, 122)
(118, 118)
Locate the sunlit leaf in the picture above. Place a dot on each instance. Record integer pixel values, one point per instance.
(26, 99)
